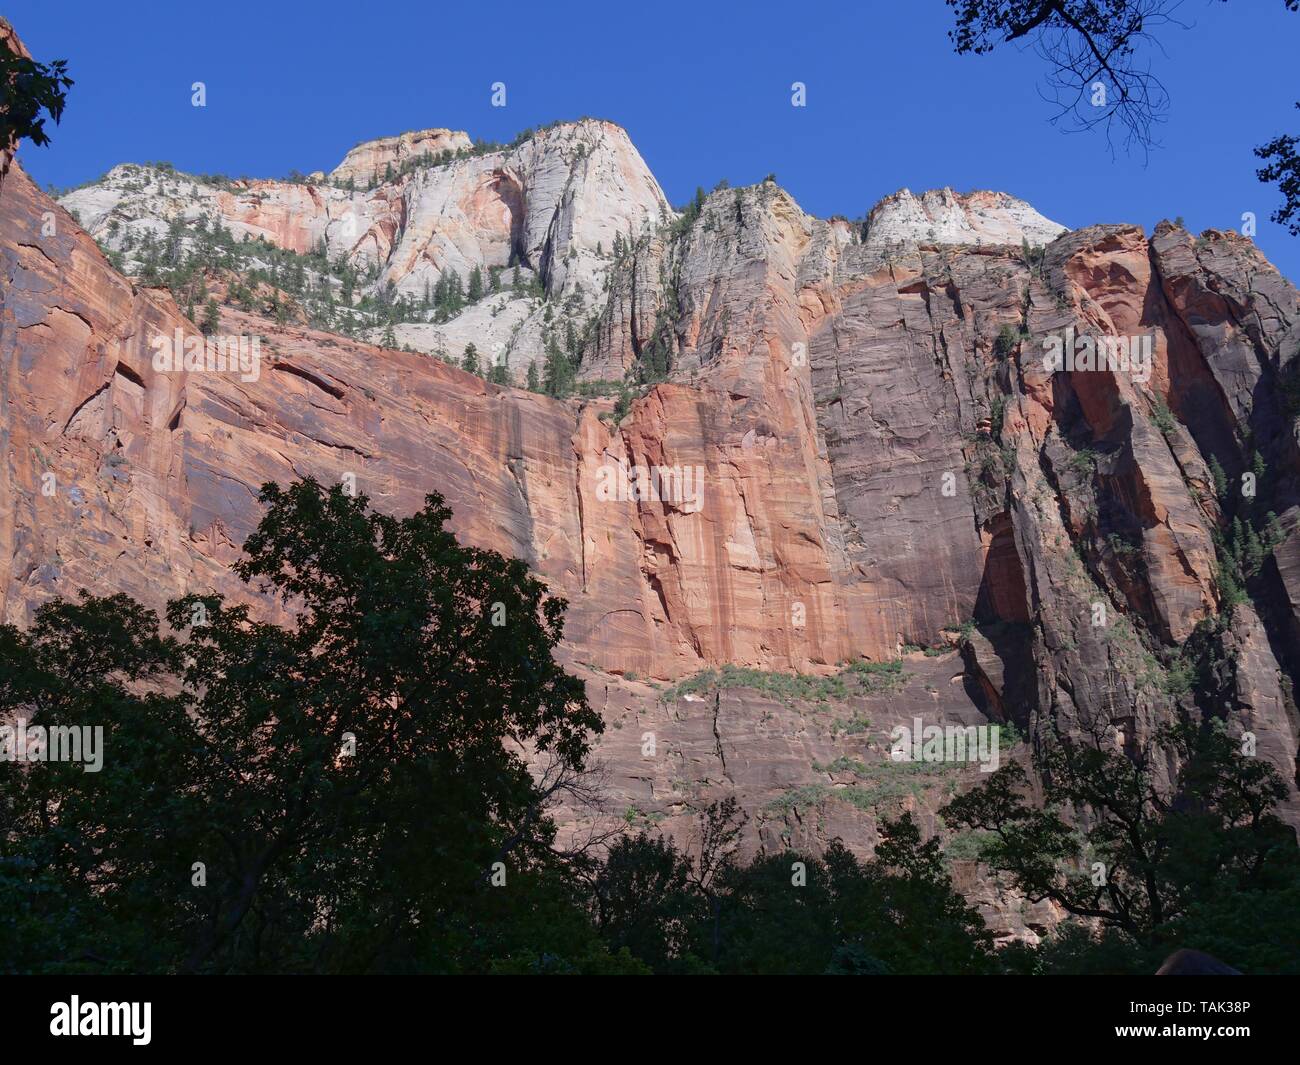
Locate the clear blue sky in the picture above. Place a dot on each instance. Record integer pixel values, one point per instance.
(703, 89)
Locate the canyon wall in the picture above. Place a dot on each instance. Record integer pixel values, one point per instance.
(888, 470)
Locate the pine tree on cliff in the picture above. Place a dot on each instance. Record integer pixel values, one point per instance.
(558, 375)
(211, 318)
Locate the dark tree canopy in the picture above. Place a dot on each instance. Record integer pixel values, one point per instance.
(1119, 841)
(1283, 170)
(348, 782)
(365, 784)
(1084, 43)
(28, 88)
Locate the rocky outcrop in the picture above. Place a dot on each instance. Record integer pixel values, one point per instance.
(844, 446)
(559, 205)
(941, 216)
(370, 161)
(132, 201)
(954, 474)
(405, 212)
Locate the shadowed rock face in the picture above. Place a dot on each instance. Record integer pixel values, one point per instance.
(883, 456)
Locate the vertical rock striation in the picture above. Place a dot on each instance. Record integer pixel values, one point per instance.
(886, 460)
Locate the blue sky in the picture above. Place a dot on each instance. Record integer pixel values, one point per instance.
(703, 89)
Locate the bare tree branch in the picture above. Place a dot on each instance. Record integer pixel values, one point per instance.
(1095, 51)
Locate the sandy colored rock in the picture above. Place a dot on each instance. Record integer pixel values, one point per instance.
(857, 450)
(369, 161)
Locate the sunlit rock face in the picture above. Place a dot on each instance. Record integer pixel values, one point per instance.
(419, 204)
(406, 211)
(370, 161)
(859, 449)
(942, 216)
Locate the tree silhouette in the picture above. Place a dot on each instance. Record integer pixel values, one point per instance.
(28, 88)
(1117, 843)
(1097, 74)
(353, 785)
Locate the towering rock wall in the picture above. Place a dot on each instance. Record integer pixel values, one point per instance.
(894, 399)
(405, 212)
(884, 457)
(555, 203)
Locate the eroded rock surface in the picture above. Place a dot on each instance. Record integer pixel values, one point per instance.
(886, 462)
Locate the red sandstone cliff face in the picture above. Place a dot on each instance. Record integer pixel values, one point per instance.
(880, 462)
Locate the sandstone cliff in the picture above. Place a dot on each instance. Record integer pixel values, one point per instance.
(370, 161)
(408, 211)
(889, 470)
